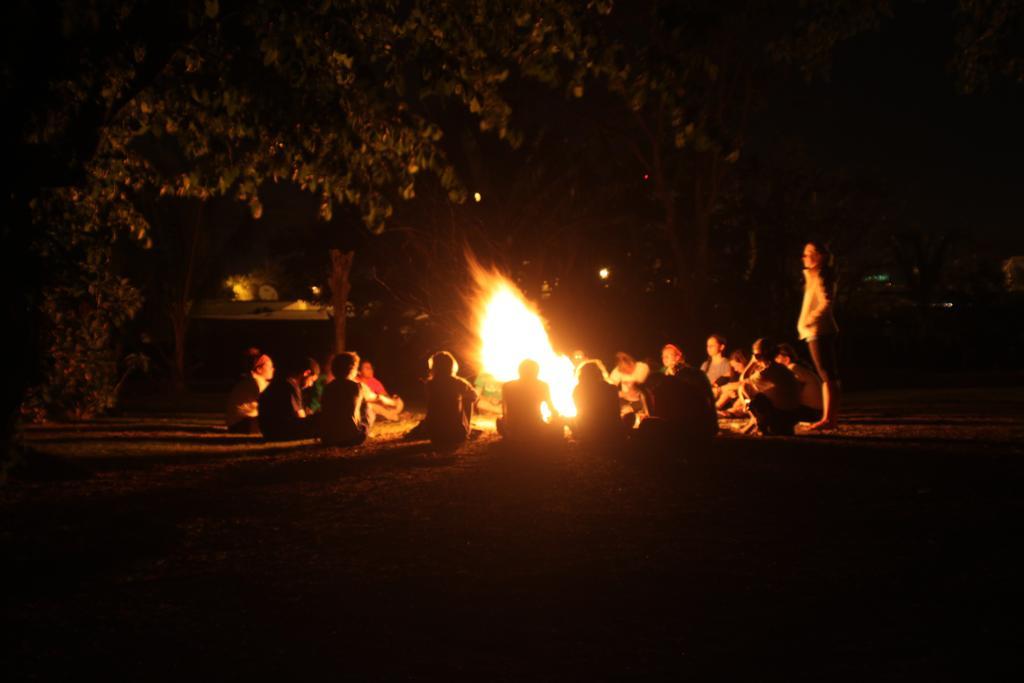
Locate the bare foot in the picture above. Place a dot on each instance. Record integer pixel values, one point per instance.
(822, 425)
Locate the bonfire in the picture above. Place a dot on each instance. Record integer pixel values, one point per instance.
(511, 331)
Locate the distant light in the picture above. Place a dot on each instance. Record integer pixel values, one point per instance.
(477, 196)
(647, 176)
(315, 290)
(604, 273)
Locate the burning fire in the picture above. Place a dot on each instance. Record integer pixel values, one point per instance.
(511, 331)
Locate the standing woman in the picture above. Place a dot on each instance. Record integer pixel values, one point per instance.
(817, 326)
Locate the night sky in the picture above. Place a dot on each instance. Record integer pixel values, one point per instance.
(892, 114)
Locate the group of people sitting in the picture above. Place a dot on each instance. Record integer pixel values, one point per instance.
(772, 389)
(341, 404)
(338, 405)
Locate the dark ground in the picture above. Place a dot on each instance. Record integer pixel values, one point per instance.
(154, 547)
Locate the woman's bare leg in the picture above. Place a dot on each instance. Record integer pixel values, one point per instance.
(829, 405)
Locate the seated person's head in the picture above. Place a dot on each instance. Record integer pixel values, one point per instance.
(529, 369)
(302, 370)
(764, 351)
(443, 364)
(738, 361)
(671, 356)
(785, 355)
(310, 372)
(716, 345)
(366, 369)
(625, 362)
(343, 365)
(263, 367)
(591, 372)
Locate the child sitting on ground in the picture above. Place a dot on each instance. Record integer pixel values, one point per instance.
(810, 384)
(340, 421)
(727, 394)
(774, 392)
(450, 401)
(379, 403)
(522, 419)
(282, 416)
(597, 406)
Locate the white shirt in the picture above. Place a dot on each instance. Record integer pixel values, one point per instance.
(816, 317)
(628, 382)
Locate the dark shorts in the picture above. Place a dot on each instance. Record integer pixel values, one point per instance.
(823, 353)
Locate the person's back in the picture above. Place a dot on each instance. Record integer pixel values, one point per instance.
(340, 416)
(522, 402)
(449, 409)
(597, 409)
(779, 385)
(685, 402)
(279, 407)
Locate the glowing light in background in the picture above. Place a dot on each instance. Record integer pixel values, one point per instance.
(242, 288)
(511, 331)
(604, 273)
(477, 196)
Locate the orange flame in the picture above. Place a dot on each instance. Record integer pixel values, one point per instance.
(512, 331)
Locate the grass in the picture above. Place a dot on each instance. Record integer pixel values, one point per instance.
(155, 546)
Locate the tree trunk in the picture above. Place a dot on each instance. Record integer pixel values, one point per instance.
(180, 323)
(341, 268)
(181, 306)
(22, 280)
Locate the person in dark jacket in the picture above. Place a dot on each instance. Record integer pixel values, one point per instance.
(522, 401)
(340, 419)
(774, 392)
(450, 401)
(597, 406)
(281, 413)
(683, 406)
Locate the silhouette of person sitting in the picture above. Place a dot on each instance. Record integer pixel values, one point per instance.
(683, 405)
(450, 401)
(340, 420)
(522, 400)
(281, 414)
(597, 405)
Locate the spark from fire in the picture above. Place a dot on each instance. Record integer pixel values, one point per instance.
(511, 331)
